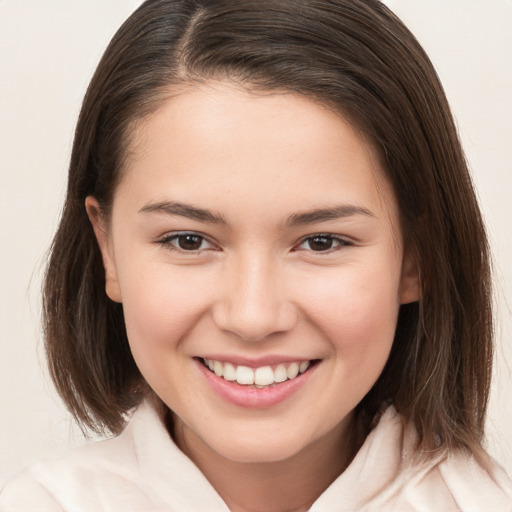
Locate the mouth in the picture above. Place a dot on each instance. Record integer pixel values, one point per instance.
(261, 377)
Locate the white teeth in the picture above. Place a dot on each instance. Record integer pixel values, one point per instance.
(260, 377)
(229, 372)
(293, 370)
(280, 373)
(218, 368)
(264, 376)
(245, 375)
(304, 366)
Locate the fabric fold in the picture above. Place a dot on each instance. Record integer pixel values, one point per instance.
(142, 470)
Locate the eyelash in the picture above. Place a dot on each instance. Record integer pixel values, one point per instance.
(167, 241)
(339, 241)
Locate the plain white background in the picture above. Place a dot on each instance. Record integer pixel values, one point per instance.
(48, 52)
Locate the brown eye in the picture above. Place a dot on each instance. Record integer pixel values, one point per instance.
(320, 243)
(189, 242)
(186, 242)
(323, 243)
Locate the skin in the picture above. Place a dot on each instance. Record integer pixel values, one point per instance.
(259, 283)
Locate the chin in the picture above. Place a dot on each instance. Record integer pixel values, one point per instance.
(258, 445)
(256, 453)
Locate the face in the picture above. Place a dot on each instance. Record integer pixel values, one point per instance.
(254, 243)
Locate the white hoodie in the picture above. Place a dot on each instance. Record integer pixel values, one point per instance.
(142, 470)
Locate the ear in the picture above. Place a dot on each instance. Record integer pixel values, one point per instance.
(98, 223)
(410, 280)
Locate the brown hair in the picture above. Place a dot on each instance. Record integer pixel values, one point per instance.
(356, 57)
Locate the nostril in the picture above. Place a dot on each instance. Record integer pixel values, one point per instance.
(255, 322)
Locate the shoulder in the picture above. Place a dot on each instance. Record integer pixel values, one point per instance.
(101, 474)
(387, 476)
(474, 485)
(104, 475)
(454, 481)
(24, 493)
(142, 470)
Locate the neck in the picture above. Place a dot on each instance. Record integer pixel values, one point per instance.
(290, 485)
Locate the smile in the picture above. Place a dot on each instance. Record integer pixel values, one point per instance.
(262, 377)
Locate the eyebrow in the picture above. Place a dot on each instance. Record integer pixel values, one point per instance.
(297, 219)
(326, 214)
(184, 210)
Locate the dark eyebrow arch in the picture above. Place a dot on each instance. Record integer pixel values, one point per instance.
(184, 210)
(325, 214)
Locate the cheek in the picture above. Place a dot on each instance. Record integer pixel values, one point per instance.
(358, 318)
(160, 307)
(357, 310)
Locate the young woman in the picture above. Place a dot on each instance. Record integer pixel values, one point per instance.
(271, 277)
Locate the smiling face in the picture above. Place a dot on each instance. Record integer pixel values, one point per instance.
(255, 234)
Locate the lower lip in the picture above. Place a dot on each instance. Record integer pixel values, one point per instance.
(255, 398)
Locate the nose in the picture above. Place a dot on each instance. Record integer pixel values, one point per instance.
(253, 303)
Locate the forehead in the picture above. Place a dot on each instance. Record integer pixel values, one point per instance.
(268, 150)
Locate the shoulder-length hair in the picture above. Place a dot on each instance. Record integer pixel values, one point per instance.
(359, 59)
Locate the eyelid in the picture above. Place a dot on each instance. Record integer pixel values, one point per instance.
(341, 240)
(166, 241)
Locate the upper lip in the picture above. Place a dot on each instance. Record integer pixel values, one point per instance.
(255, 362)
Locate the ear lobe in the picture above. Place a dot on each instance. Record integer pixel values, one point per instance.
(95, 217)
(410, 281)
